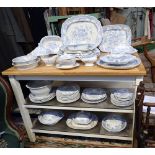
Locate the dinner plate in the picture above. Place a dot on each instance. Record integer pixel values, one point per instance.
(132, 64)
(114, 123)
(67, 67)
(81, 32)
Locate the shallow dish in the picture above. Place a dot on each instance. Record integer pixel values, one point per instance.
(67, 67)
(24, 60)
(117, 59)
(81, 32)
(50, 118)
(93, 101)
(132, 64)
(26, 66)
(114, 123)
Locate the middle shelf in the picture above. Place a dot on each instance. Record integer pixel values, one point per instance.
(105, 106)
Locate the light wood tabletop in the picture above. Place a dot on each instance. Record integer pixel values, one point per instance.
(43, 70)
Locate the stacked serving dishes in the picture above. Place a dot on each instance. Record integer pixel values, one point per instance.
(82, 120)
(50, 117)
(68, 93)
(117, 39)
(93, 95)
(114, 123)
(122, 97)
(119, 61)
(25, 62)
(41, 91)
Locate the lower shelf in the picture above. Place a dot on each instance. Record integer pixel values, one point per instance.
(97, 132)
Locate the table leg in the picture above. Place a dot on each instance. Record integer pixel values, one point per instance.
(24, 112)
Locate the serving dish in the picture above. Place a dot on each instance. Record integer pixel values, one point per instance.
(81, 32)
(83, 118)
(117, 59)
(40, 87)
(132, 64)
(71, 123)
(67, 67)
(52, 43)
(93, 93)
(24, 60)
(114, 123)
(49, 60)
(66, 60)
(25, 66)
(50, 117)
(89, 60)
(41, 99)
(78, 54)
(117, 39)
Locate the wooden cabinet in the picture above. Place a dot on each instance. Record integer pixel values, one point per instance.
(94, 76)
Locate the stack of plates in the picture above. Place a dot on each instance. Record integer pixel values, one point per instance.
(114, 123)
(82, 121)
(68, 93)
(121, 97)
(50, 117)
(93, 95)
(119, 61)
(44, 98)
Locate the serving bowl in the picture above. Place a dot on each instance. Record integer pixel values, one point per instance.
(52, 42)
(49, 60)
(114, 123)
(66, 60)
(83, 118)
(89, 60)
(24, 60)
(40, 88)
(50, 117)
(27, 66)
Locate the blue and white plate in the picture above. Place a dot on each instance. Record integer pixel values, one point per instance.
(114, 123)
